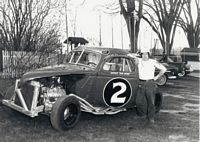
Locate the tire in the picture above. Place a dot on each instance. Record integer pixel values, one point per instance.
(1, 98)
(69, 105)
(182, 74)
(162, 80)
(158, 101)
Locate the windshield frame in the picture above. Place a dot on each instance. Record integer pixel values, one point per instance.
(77, 62)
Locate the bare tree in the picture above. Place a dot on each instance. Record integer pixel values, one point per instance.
(162, 16)
(23, 28)
(189, 26)
(132, 13)
(132, 16)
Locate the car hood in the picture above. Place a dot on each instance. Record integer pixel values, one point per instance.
(56, 70)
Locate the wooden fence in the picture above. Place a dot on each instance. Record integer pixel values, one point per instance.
(15, 62)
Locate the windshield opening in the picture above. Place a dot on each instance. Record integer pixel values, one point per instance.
(88, 58)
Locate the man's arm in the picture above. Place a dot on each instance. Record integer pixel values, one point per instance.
(132, 55)
(161, 68)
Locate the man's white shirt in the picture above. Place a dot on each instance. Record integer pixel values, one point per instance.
(147, 68)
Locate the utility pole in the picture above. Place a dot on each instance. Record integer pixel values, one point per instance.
(122, 33)
(75, 21)
(112, 32)
(100, 42)
(151, 32)
(135, 20)
(66, 23)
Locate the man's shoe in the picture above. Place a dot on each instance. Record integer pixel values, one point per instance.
(149, 123)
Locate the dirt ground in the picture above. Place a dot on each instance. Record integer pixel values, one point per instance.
(178, 121)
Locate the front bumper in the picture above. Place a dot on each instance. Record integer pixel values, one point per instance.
(189, 70)
(171, 75)
(21, 106)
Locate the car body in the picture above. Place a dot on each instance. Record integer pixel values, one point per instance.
(95, 80)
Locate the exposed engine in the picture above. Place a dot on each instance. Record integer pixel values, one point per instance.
(50, 90)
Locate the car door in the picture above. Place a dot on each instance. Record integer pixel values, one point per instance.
(116, 82)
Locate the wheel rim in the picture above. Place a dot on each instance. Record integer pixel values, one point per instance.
(162, 80)
(181, 74)
(70, 114)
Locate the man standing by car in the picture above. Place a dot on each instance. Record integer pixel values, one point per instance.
(146, 70)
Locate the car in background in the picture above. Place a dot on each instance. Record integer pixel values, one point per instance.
(183, 67)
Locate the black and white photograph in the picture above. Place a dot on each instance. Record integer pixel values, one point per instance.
(99, 70)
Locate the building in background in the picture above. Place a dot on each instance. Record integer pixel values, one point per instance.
(192, 57)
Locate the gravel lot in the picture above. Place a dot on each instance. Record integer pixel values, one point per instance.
(178, 121)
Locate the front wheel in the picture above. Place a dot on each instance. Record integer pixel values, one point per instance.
(182, 73)
(65, 113)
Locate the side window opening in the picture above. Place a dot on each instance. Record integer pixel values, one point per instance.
(118, 64)
(128, 67)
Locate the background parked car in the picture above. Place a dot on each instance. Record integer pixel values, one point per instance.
(183, 67)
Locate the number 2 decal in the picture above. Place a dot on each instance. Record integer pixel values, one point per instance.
(117, 92)
(115, 98)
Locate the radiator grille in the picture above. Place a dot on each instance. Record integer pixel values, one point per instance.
(27, 91)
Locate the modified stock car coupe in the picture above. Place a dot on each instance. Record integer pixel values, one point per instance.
(94, 80)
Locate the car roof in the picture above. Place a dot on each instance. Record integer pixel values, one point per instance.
(104, 50)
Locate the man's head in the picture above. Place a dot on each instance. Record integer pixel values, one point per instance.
(145, 54)
(92, 58)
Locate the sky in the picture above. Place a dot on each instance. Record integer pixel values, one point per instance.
(88, 23)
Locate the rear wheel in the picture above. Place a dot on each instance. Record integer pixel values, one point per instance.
(158, 101)
(65, 113)
(1, 98)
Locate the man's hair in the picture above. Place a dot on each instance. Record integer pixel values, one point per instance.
(148, 54)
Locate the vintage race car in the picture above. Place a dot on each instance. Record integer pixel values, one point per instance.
(94, 80)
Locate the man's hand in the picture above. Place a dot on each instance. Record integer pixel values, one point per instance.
(159, 75)
(133, 55)
(156, 78)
